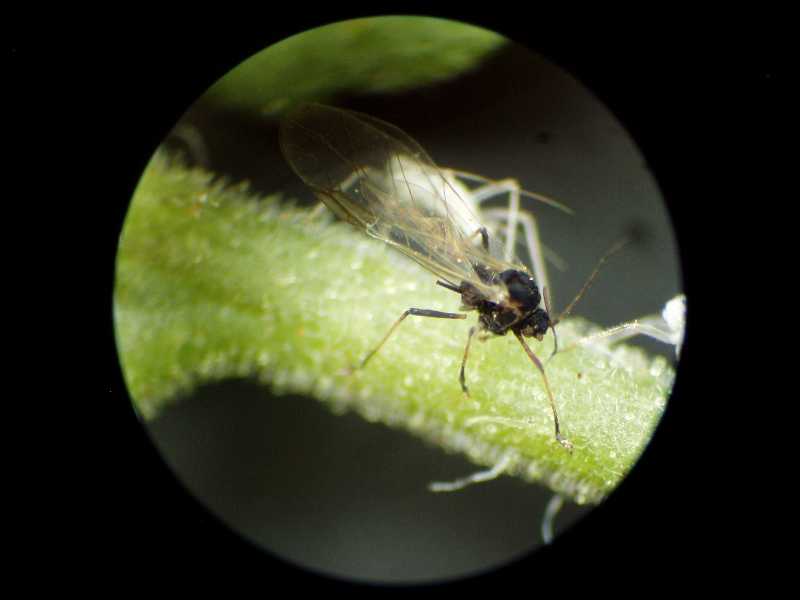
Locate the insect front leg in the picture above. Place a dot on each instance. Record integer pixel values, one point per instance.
(417, 312)
(561, 440)
(482, 337)
(461, 379)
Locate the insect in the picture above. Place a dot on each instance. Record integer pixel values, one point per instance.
(377, 178)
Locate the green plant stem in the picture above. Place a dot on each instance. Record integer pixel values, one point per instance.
(214, 282)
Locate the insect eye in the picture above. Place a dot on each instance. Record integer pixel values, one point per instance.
(542, 322)
(537, 324)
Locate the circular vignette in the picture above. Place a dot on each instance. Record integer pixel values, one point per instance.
(334, 494)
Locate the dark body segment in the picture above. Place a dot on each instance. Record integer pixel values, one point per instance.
(519, 311)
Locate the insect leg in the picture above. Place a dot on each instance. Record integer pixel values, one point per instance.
(417, 312)
(514, 217)
(484, 233)
(490, 190)
(479, 477)
(550, 512)
(561, 440)
(511, 214)
(472, 331)
(533, 244)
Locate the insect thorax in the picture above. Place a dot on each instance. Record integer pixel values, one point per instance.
(517, 311)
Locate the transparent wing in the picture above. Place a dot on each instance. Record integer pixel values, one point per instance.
(376, 177)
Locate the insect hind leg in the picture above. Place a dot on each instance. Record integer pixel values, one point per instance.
(537, 252)
(514, 217)
(484, 233)
(497, 188)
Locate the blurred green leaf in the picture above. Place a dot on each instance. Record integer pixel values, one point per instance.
(380, 54)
